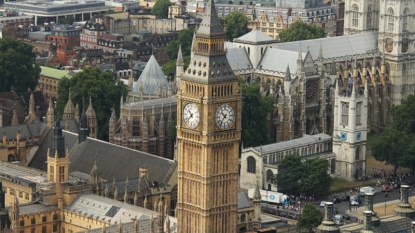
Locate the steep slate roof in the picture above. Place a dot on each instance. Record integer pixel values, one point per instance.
(350, 44)
(210, 24)
(255, 37)
(113, 161)
(151, 78)
(278, 59)
(243, 201)
(306, 139)
(238, 59)
(39, 159)
(26, 131)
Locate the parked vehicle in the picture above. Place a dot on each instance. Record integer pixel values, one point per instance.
(338, 219)
(346, 198)
(386, 188)
(322, 203)
(336, 199)
(364, 190)
(355, 200)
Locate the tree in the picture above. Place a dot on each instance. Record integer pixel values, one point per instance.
(316, 179)
(255, 110)
(290, 172)
(404, 115)
(103, 89)
(394, 147)
(309, 178)
(17, 66)
(310, 218)
(184, 39)
(235, 25)
(396, 144)
(161, 8)
(300, 30)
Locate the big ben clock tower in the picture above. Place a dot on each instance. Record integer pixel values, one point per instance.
(208, 130)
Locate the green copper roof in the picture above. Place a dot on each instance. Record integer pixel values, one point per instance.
(53, 73)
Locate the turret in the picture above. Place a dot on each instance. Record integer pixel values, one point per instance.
(257, 203)
(14, 214)
(15, 120)
(31, 117)
(58, 142)
(95, 179)
(112, 125)
(50, 115)
(300, 62)
(84, 129)
(127, 190)
(320, 59)
(179, 65)
(92, 119)
(328, 226)
(287, 81)
(69, 110)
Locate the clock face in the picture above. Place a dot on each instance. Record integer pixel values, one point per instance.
(225, 116)
(359, 136)
(343, 136)
(191, 115)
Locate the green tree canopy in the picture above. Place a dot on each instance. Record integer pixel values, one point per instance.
(255, 110)
(300, 30)
(161, 8)
(184, 39)
(103, 89)
(169, 69)
(67, 20)
(17, 66)
(310, 218)
(309, 178)
(396, 144)
(394, 147)
(316, 180)
(235, 25)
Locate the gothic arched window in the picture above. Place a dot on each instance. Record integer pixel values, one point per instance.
(243, 218)
(405, 19)
(357, 153)
(333, 166)
(136, 126)
(369, 19)
(270, 175)
(390, 19)
(355, 16)
(251, 164)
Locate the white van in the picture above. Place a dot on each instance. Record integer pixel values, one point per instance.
(364, 190)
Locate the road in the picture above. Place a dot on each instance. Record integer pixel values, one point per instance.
(379, 197)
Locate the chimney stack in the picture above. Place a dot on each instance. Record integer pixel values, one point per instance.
(367, 224)
(369, 207)
(328, 225)
(404, 209)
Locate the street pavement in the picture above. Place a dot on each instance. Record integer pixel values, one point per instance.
(378, 199)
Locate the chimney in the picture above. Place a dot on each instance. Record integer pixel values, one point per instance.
(369, 207)
(367, 224)
(404, 209)
(413, 227)
(328, 225)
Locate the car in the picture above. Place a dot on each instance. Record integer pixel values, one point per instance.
(346, 198)
(364, 190)
(345, 216)
(354, 200)
(338, 219)
(336, 200)
(386, 188)
(322, 203)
